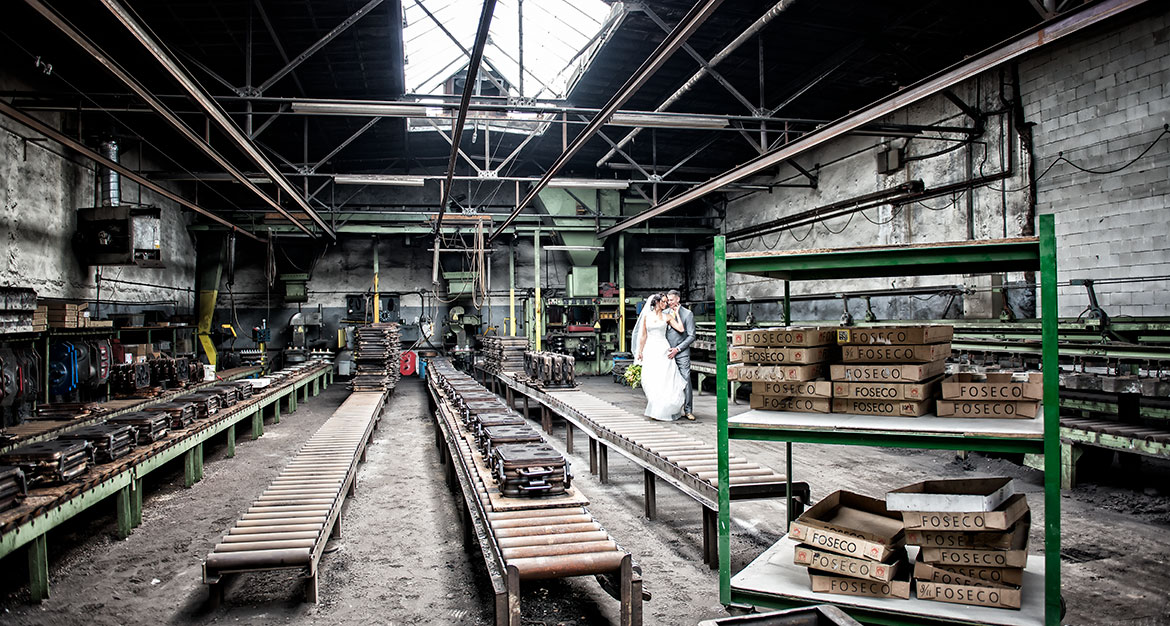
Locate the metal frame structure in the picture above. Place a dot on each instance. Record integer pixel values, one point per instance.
(125, 480)
(1043, 35)
(999, 256)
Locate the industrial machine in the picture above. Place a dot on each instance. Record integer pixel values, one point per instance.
(19, 377)
(79, 370)
(300, 325)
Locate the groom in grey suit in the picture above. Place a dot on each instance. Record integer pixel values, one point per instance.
(680, 344)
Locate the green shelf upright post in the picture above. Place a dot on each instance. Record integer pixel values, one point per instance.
(1051, 367)
(721, 354)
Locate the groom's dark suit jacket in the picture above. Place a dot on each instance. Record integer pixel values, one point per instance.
(682, 341)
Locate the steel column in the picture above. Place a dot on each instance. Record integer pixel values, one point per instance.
(724, 517)
(1052, 452)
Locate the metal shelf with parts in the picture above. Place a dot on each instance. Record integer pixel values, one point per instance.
(966, 257)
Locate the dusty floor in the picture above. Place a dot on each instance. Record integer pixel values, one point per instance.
(401, 560)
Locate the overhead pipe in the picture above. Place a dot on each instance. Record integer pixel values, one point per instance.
(673, 41)
(481, 37)
(69, 142)
(212, 109)
(161, 109)
(1031, 40)
(756, 27)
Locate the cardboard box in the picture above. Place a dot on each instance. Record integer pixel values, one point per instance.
(992, 410)
(895, 335)
(776, 373)
(791, 336)
(777, 356)
(780, 403)
(806, 389)
(1000, 519)
(1017, 556)
(923, 353)
(1007, 576)
(846, 586)
(994, 386)
(850, 524)
(902, 373)
(999, 597)
(848, 566)
(927, 572)
(892, 408)
(958, 539)
(886, 391)
(953, 496)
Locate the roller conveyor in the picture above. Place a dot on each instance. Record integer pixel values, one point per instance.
(288, 525)
(685, 462)
(524, 538)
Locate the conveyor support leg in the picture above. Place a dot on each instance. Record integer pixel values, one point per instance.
(1070, 455)
(231, 441)
(38, 568)
(125, 515)
(650, 496)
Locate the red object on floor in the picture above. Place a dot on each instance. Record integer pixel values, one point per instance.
(408, 363)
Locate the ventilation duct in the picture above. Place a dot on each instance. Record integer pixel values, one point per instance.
(110, 180)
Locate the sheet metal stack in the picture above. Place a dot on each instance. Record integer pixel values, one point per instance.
(13, 488)
(51, 462)
(504, 353)
(549, 370)
(110, 441)
(376, 358)
(206, 403)
(182, 413)
(148, 427)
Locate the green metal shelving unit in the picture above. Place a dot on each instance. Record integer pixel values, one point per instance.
(972, 257)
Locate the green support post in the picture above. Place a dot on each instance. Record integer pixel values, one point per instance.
(257, 425)
(38, 568)
(199, 461)
(724, 473)
(1052, 456)
(276, 411)
(787, 444)
(125, 513)
(136, 503)
(231, 441)
(189, 468)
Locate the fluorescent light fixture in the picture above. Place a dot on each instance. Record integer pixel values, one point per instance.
(360, 108)
(380, 179)
(665, 250)
(589, 183)
(647, 120)
(575, 248)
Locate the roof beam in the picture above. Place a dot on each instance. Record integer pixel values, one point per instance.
(161, 109)
(213, 110)
(1013, 48)
(276, 42)
(685, 28)
(481, 37)
(69, 142)
(321, 43)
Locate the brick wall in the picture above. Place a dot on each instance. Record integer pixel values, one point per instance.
(1100, 101)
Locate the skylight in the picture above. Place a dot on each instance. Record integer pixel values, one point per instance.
(560, 38)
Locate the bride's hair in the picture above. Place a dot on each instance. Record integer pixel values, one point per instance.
(654, 300)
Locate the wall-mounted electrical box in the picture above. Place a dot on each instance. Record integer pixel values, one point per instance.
(120, 235)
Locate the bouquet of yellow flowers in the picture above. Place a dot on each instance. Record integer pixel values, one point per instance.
(633, 375)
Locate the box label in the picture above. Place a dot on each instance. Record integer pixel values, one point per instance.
(887, 373)
(994, 575)
(777, 403)
(1002, 410)
(896, 354)
(783, 337)
(808, 389)
(895, 335)
(898, 408)
(979, 596)
(857, 568)
(759, 373)
(885, 391)
(780, 355)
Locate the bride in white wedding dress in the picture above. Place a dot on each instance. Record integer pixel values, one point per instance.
(662, 382)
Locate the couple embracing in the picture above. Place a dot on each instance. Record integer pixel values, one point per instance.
(662, 344)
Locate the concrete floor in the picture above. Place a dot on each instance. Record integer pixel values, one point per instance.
(401, 560)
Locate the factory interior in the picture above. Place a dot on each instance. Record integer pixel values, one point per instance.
(575, 312)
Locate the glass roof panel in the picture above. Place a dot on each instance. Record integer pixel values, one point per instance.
(555, 33)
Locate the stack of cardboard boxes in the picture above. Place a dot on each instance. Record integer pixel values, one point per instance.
(972, 537)
(67, 314)
(40, 321)
(784, 365)
(852, 545)
(992, 395)
(892, 371)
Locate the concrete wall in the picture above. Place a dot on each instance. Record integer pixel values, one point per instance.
(43, 185)
(1099, 100)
